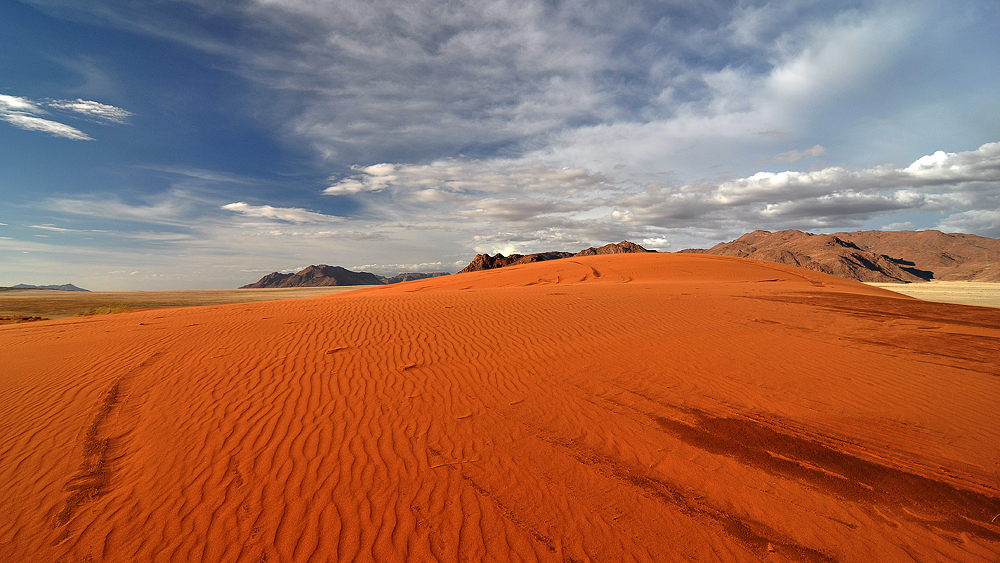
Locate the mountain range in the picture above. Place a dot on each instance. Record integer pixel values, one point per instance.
(866, 256)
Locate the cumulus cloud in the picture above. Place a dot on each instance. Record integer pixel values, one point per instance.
(985, 222)
(373, 178)
(25, 114)
(829, 196)
(287, 214)
(520, 206)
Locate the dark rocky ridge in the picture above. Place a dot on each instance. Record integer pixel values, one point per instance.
(62, 287)
(410, 276)
(486, 262)
(323, 276)
(874, 256)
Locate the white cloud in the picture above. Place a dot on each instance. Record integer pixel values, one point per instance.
(24, 114)
(393, 269)
(175, 208)
(984, 222)
(980, 165)
(660, 86)
(519, 206)
(92, 109)
(200, 174)
(31, 123)
(17, 103)
(829, 197)
(160, 236)
(374, 178)
(52, 228)
(656, 243)
(794, 156)
(898, 226)
(287, 214)
(794, 75)
(469, 177)
(530, 203)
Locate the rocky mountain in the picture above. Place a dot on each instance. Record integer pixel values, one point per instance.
(874, 256)
(949, 256)
(623, 247)
(323, 275)
(63, 287)
(487, 262)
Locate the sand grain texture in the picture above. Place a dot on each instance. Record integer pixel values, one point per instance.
(660, 407)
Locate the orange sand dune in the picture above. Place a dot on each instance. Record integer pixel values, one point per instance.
(663, 407)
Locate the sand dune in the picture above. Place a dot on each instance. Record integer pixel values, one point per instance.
(660, 407)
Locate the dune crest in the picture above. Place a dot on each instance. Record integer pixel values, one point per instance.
(627, 407)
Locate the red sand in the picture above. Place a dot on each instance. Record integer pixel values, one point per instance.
(611, 408)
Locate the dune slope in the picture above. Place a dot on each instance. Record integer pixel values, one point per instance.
(644, 407)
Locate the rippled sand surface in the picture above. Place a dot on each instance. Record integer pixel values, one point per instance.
(662, 407)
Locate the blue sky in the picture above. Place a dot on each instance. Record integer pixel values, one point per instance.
(196, 144)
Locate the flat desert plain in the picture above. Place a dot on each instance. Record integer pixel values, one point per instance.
(983, 294)
(660, 407)
(55, 304)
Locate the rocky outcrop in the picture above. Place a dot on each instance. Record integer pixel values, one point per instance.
(323, 276)
(623, 247)
(947, 256)
(274, 279)
(317, 276)
(874, 256)
(487, 262)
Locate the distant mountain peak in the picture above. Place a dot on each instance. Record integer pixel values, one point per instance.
(63, 287)
(324, 276)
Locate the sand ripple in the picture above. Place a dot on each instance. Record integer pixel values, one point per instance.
(607, 408)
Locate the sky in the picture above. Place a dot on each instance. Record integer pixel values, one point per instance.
(195, 144)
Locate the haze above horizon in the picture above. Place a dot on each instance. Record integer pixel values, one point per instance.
(198, 144)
